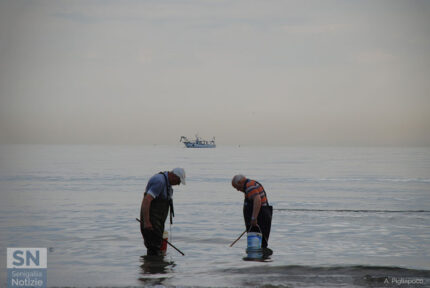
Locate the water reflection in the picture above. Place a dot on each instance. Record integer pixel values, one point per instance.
(258, 254)
(155, 269)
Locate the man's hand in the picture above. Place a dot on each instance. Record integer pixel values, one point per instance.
(148, 226)
(253, 222)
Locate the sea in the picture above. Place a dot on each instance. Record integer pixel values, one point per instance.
(343, 216)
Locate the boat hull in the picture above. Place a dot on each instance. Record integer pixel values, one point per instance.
(194, 145)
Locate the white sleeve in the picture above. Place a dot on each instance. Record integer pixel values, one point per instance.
(150, 192)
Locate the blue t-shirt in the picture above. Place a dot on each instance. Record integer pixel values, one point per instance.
(157, 187)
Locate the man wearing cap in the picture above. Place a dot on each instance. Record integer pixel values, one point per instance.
(155, 206)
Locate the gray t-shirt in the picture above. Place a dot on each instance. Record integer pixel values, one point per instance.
(157, 187)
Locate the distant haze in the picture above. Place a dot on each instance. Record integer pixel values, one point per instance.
(247, 72)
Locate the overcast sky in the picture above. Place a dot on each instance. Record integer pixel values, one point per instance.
(247, 72)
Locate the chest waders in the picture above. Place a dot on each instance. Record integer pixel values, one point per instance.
(157, 213)
(264, 219)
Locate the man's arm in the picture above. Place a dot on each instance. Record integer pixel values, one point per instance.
(255, 209)
(146, 204)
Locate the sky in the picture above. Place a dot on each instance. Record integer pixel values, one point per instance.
(247, 72)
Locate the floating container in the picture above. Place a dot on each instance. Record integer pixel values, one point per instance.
(254, 245)
(164, 243)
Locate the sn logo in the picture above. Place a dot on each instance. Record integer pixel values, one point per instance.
(26, 258)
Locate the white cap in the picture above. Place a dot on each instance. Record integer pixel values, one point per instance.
(180, 172)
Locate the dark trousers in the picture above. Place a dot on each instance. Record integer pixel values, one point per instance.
(264, 220)
(153, 239)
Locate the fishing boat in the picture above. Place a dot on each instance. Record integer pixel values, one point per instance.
(198, 142)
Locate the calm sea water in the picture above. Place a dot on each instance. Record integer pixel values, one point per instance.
(343, 217)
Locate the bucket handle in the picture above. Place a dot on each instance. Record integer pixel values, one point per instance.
(260, 231)
(250, 227)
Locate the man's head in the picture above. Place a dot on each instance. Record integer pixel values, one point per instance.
(177, 176)
(238, 182)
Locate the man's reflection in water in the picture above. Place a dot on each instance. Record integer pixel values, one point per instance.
(153, 265)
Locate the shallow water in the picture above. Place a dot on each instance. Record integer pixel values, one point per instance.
(343, 217)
